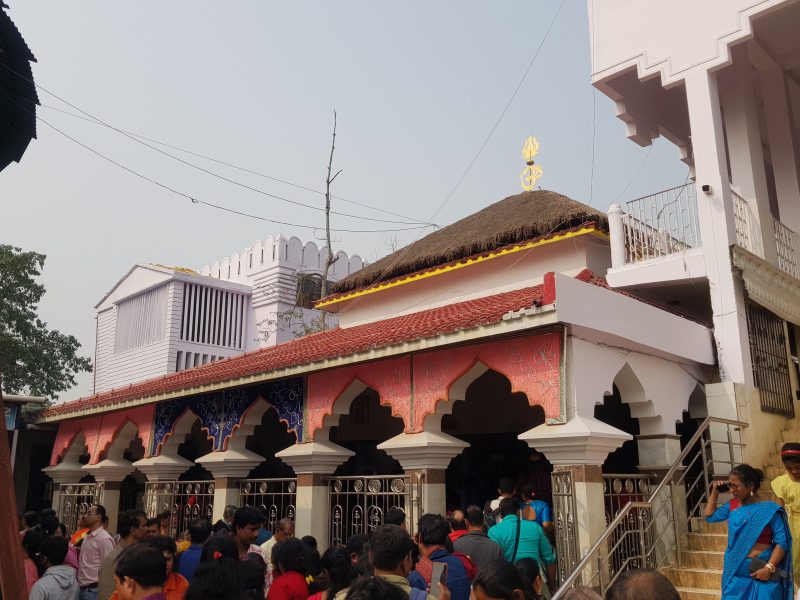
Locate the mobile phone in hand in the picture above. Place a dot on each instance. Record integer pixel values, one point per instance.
(723, 488)
(438, 577)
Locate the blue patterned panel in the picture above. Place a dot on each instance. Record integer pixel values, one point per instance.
(287, 398)
(166, 414)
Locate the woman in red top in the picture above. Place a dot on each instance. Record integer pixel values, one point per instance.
(289, 562)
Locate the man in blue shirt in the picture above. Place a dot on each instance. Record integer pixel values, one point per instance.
(531, 543)
(432, 531)
(199, 532)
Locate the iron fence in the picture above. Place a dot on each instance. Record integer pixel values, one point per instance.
(277, 498)
(565, 522)
(74, 499)
(768, 353)
(184, 500)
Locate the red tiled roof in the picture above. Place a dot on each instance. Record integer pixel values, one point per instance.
(320, 346)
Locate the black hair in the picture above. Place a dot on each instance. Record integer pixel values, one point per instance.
(474, 515)
(289, 555)
(129, 520)
(529, 569)
(389, 546)
(54, 550)
(253, 570)
(313, 560)
(49, 524)
(247, 515)
(499, 579)
(144, 564)
(163, 543)
(508, 506)
(151, 521)
(355, 544)
(218, 578)
(790, 453)
(433, 530)
(199, 530)
(31, 518)
(47, 511)
(163, 515)
(505, 485)
(31, 542)
(394, 516)
(62, 527)
(642, 584)
(223, 544)
(529, 491)
(310, 541)
(336, 562)
(457, 525)
(229, 511)
(749, 475)
(100, 511)
(372, 588)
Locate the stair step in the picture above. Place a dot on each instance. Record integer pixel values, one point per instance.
(687, 593)
(708, 541)
(700, 525)
(693, 577)
(704, 559)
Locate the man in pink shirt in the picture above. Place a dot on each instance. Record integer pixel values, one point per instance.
(97, 544)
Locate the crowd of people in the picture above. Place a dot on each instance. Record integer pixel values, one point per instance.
(500, 551)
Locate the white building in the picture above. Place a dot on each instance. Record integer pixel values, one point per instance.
(158, 320)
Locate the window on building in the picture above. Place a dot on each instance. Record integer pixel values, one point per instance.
(213, 316)
(770, 355)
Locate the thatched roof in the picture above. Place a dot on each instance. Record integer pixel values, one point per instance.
(515, 219)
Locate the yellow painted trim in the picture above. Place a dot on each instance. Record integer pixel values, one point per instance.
(464, 263)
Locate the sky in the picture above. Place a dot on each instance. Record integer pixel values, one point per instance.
(417, 86)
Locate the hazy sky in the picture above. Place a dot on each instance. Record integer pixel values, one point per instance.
(417, 86)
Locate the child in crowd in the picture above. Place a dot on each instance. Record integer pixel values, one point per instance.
(787, 490)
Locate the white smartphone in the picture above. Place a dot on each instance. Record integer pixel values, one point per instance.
(438, 577)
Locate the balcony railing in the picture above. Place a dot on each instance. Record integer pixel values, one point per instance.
(657, 225)
(748, 232)
(788, 243)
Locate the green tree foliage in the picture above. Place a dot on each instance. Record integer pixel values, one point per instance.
(33, 359)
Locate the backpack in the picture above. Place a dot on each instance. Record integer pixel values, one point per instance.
(469, 566)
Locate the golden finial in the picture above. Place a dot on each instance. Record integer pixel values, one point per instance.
(533, 172)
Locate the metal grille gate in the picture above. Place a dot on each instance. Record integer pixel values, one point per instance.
(357, 504)
(277, 498)
(770, 360)
(74, 499)
(185, 500)
(565, 515)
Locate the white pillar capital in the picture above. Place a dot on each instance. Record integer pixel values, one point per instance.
(580, 441)
(314, 457)
(64, 472)
(230, 463)
(162, 467)
(110, 470)
(424, 450)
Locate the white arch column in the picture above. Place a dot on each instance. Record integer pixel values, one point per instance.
(69, 470)
(311, 462)
(228, 467)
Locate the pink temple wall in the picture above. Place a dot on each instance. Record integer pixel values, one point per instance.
(532, 364)
(100, 430)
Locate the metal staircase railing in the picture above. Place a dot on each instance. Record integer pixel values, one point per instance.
(652, 534)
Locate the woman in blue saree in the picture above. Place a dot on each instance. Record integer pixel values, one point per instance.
(757, 530)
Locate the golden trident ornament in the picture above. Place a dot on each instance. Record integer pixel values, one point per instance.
(533, 172)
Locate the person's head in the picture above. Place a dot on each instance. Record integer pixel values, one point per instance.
(499, 580)
(131, 525)
(457, 520)
(247, 520)
(95, 516)
(49, 524)
(53, 551)
(166, 545)
(505, 487)
(355, 546)
(529, 492)
(433, 531)
(642, 584)
(310, 541)
(581, 593)
(219, 545)
(336, 564)
(395, 516)
(140, 571)
(289, 555)
(744, 481)
(531, 574)
(163, 520)
(508, 506)
(30, 518)
(31, 541)
(199, 531)
(227, 514)
(61, 530)
(790, 455)
(152, 526)
(47, 512)
(370, 588)
(284, 529)
(253, 570)
(474, 517)
(390, 550)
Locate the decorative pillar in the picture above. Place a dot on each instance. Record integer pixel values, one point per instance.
(109, 474)
(163, 468)
(617, 234)
(227, 467)
(426, 454)
(62, 473)
(580, 446)
(311, 462)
